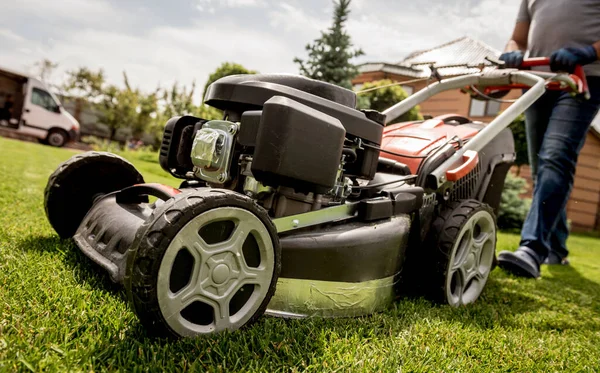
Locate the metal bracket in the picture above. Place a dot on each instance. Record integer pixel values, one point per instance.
(308, 219)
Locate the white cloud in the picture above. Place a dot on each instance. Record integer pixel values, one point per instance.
(163, 55)
(210, 5)
(84, 11)
(293, 18)
(10, 36)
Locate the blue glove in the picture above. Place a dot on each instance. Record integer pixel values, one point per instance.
(566, 59)
(513, 59)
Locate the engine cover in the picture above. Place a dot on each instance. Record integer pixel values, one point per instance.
(298, 147)
(418, 138)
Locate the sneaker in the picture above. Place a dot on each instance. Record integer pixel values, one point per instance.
(523, 263)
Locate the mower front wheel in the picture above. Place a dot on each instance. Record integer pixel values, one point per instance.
(73, 186)
(462, 249)
(206, 261)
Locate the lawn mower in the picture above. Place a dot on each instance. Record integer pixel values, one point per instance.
(297, 204)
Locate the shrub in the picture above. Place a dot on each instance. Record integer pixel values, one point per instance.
(513, 208)
(382, 98)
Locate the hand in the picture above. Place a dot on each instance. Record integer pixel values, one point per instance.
(566, 59)
(512, 59)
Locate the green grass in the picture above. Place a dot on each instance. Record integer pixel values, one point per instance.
(58, 312)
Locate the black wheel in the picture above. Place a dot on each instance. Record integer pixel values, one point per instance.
(459, 254)
(206, 261)
(71, 189)
(57, 137)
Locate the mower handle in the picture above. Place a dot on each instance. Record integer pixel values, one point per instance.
(464, 159)
(577, 81)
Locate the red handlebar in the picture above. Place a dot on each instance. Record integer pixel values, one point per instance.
(545, 61)
(538, 61)
(578, 77)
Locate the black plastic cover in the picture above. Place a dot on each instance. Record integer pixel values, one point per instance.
(375, 209)
(350, 252)
(249, 128)
(391, 166)
(176, 146)
(240, 93)
(297, 146)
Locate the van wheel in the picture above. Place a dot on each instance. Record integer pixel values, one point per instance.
(57, 137)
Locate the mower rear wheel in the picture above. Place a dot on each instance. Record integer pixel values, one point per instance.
(462, 249)
(72, 188)
(206, 261)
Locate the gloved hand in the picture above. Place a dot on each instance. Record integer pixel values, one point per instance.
(512, 59)
(566, 59)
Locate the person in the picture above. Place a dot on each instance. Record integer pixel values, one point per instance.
(568, 31)
(7, 109)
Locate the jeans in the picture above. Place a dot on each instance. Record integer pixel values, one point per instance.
(556, 127)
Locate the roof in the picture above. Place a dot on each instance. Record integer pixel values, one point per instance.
(460, 51)
(13, 73)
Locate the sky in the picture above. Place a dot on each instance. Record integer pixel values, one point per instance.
(161, 42)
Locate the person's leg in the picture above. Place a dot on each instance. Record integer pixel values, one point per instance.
(558, 241)
(563, 139)
(536, 123)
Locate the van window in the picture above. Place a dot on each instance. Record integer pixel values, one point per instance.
(42, 98)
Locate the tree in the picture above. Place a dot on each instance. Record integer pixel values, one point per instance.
(84, 83)
(226, 69)
(329, 56)
(85, 86)
(126, 108)
(45, 69)
(384, 97)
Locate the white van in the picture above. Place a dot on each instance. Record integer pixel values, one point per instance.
(27, 106)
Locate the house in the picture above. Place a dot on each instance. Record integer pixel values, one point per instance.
(459, 57)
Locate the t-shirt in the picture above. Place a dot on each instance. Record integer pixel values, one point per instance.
(556, 24)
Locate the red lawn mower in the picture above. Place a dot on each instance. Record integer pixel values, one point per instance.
(297, 204)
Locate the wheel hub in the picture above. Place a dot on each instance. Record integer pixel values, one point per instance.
(223, 271)
(220, 274)
(470, 262)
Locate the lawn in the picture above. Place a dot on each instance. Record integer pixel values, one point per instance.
(58, 312)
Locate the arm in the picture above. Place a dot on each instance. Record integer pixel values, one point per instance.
(517, 45)
(518, 40)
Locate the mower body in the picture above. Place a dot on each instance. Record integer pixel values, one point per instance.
(351, 201)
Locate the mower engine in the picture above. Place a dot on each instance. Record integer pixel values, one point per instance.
(289, 156)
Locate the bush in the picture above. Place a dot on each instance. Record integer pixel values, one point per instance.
(100, 144)
(518, 129)
(513, 208)
(382, 98)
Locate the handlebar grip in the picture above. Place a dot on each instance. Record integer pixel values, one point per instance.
(538, 61)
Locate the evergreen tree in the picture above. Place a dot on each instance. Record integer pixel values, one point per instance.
(329, 56)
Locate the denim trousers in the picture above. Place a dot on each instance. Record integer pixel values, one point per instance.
(556, 128)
